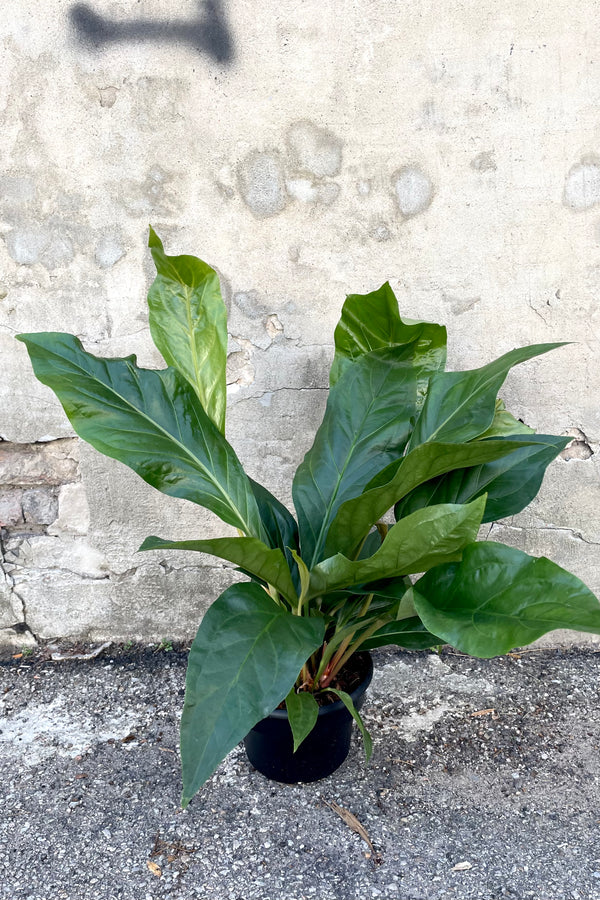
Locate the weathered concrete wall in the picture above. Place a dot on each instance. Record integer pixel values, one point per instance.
(306, 151)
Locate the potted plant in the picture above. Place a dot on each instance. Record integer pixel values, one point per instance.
(399, 433)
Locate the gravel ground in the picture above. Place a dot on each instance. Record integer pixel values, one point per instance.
(483, 784)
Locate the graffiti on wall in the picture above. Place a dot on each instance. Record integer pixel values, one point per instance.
(207, 33)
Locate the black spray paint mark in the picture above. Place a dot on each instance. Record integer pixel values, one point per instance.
(207, 33)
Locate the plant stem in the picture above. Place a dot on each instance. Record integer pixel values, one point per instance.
(340, 635)
(352, 650)
(340, 652)
(365, 607)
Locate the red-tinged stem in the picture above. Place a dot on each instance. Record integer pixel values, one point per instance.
(330, 671)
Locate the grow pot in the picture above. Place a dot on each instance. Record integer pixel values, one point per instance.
(270, 746)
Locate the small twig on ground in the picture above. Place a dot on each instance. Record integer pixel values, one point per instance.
(486, 712)
(354, 825)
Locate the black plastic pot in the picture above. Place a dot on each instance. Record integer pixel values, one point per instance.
(270, 746)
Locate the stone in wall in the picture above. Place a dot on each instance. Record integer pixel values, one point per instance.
(35, 480)
(49, 463)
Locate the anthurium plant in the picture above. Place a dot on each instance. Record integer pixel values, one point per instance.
(399, 433)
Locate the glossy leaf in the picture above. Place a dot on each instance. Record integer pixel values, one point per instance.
(302, 710)
(365, 427)
(243, 662)
(460, 406)
(408, 633)
(188, 323)
(249, 553)
(510, 482)
(355, 517)
(498, 598)
(426, 538)
(347, 701)
(372, 321)
(150, 420)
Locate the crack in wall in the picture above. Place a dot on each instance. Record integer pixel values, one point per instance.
(270, 391)
(576, 535)
(61, 570)
(18, 627)
(167, 569)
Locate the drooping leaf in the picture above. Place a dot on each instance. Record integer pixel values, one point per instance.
(356, 516)
(460, 406)
(498, 598)
(414, 544)
(243, 662)
(510, 483)
(365, 426)
(347, 701)
(408, 633)
(188, 323)
(150, 420)
(302, 710)
(372, 321)
(249, 553)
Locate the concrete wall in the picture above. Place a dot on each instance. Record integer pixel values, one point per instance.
(306, 150)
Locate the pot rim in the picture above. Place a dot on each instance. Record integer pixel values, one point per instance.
(337, 704)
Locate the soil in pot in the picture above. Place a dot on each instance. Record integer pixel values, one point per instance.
(270, 745)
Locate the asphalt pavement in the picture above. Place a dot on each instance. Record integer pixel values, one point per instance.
(483, 784)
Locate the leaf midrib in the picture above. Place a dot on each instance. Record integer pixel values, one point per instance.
(466, 402)
(355, 441)
(183, 447)
(188, 291)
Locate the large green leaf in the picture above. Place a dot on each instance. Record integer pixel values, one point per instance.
(424, 539)
(150, 420)
(356, 516)
(408, 633)
(365, 427)
(498, 598)
(510, 482)
(460, 406)
(244, 660)
(372, 321)
(188, 323)
(251, 554)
